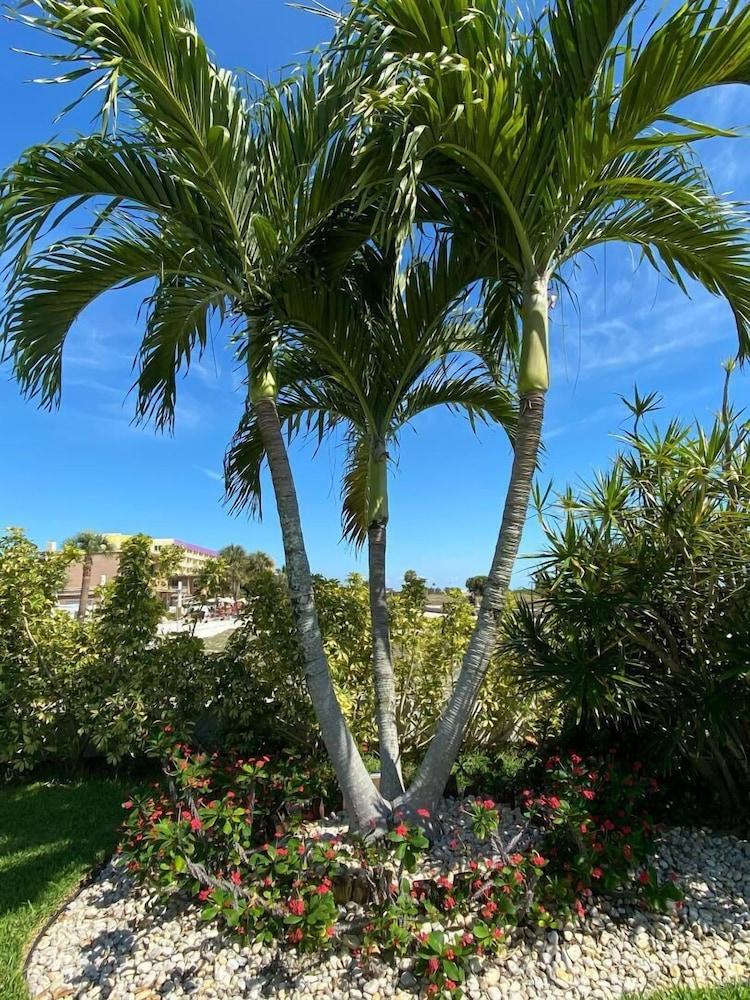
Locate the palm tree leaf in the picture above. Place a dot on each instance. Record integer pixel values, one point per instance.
(355, 491)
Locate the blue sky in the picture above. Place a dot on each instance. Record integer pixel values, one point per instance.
(87, 467)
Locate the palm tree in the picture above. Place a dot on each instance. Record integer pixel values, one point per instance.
(89, 544)
(372, 353)
(211, 202)
(544, 140)
(235, 561)
(213, 578)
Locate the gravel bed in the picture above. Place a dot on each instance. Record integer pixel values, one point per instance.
(119, 942)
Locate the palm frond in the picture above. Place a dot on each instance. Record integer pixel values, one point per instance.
(355, 490)
(56, 285)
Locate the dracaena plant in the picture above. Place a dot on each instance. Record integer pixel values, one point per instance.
(543, 139)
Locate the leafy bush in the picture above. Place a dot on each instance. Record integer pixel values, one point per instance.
(597, 828)
(236, 835)
(43, 655)
(69, 689)
(640, 622)
(265, 656)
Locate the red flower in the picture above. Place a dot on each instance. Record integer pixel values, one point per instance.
(596, 873)
(552, 762)
(282, 852)
(195, 824)
(296, 935)
(424, 813)
(449, 903)
(516, 859)
(301, 850)
(127, 805)
(644, 878)
(488, 804)
(538, 860)
(449, 984)
(553, 802)
(627, 852)
(402, 830)
(432, 966)
(296, 906)
(467, 938)
(322, 889)
(575, 759)
(588, 794)
(204, 894)
(583, 828)
(235, 877)
(497, 933)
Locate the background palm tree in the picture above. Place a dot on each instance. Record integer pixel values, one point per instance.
(90, 544)
(542, 140)
(235, 561)
(372, 353)
(214, 204)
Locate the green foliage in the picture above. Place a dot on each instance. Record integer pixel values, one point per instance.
(43, 654)
(475, 585)
(263, 658)
(89, 543)
(640, 621)
(234, 834)
(214, 579)
(598, 829)
(69, 688)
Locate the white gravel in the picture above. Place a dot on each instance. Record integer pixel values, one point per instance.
(118, 942)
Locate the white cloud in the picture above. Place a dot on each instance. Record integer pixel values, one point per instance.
(211, 474)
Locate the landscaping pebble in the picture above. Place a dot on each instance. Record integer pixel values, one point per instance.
(117, 941)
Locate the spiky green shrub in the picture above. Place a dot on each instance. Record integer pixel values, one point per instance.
(640, 622)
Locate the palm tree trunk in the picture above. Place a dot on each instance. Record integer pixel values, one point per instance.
(391, 780)
(427, 788)
(83, 601)
(366, 807)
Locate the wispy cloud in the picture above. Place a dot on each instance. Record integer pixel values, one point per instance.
(646, 336)
(211, 473)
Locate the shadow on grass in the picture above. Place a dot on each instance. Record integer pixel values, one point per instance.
(52, 830)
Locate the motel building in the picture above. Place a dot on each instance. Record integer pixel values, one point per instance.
(174, 592)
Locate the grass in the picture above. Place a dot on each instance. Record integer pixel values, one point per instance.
(737, 992)
(217, 643)
(51, 835)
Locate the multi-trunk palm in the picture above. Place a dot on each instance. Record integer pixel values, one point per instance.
(363, 358)
(542, 140)
(214, 199)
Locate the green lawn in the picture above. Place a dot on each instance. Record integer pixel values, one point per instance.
(50, 836)
(722, 993)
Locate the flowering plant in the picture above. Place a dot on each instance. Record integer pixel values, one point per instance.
(235, 834)
(597, 826)
(484, 818)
